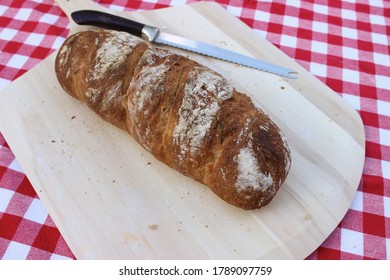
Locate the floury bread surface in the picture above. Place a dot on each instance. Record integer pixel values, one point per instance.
(186, 115)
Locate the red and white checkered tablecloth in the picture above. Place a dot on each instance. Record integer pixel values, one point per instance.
(343, 43)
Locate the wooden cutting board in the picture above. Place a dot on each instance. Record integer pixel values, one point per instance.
(112, 200)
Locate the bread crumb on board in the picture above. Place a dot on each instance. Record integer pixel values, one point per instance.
(152, 226)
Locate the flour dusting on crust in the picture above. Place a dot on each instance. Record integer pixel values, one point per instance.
(203, 92)
(113, 96)
(93, 94)
(145, 87)
(244, 131)
(150, 80)
(249, 174)
(287, 153)
(113, 51)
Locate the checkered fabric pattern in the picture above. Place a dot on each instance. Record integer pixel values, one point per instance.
(343, 43)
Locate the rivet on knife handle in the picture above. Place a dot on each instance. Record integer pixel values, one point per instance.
(153, 34)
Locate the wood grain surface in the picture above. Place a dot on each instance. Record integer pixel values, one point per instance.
(112, 200)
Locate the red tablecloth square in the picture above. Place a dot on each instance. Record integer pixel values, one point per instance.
(374, 224)
(47, 238)
(9, 225)
(373, 184)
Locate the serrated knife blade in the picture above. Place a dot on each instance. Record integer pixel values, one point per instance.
(154, 35)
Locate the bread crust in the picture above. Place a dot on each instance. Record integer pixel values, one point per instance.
(185, 114)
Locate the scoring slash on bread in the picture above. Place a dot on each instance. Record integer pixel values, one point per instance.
(185, 114)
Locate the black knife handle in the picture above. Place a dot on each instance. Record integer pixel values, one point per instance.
(109, 21)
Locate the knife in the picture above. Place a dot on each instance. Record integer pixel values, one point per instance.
(154, 35)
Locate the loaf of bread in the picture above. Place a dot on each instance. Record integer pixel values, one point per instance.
(185, 114)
